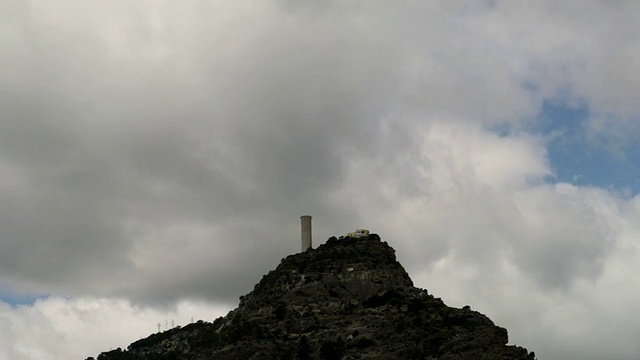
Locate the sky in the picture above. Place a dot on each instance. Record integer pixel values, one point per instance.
(155, 158)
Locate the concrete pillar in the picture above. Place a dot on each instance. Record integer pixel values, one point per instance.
(306, 232)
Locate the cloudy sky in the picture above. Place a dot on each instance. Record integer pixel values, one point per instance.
(155, 157)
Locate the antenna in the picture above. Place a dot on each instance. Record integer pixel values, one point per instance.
(159, 324)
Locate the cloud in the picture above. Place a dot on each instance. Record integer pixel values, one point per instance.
(136, 145)
(570, 322)
(162, 152)
(479, 195)
(474, 221)
(58, 328)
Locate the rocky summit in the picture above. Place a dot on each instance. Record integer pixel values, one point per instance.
(348, 299)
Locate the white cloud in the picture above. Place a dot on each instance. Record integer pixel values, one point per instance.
(552, 263)
(57, 328)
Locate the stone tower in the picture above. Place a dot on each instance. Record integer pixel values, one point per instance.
(306, 232)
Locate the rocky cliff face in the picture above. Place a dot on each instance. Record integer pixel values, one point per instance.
(347, 299)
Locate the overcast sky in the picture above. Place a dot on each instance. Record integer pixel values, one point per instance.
(155, 158)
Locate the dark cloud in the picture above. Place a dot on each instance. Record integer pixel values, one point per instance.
(105, 137)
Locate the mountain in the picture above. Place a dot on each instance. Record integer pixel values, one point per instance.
(348, 299)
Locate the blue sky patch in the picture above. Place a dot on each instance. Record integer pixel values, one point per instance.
(577, 160)
(17, 299)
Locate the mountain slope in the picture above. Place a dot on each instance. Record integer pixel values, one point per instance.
(347, 299)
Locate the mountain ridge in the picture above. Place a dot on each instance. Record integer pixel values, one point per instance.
(347, 299)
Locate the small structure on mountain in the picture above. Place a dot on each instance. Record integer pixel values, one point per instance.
(358, 233)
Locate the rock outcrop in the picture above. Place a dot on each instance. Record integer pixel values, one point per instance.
(347, 299)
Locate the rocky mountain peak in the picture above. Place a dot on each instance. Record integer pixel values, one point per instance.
(348, 299)
(347, 270)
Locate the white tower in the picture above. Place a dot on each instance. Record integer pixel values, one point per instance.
(306, 232)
